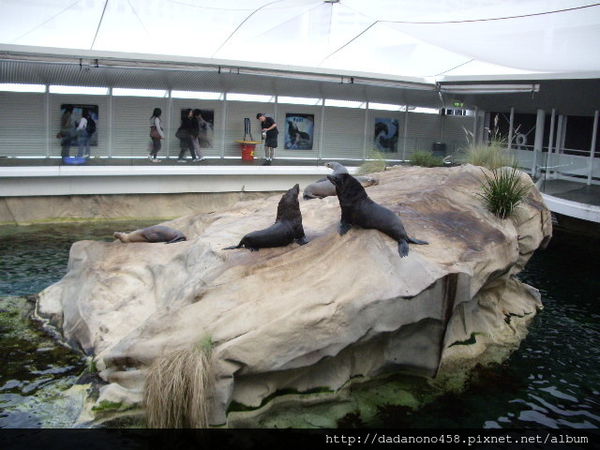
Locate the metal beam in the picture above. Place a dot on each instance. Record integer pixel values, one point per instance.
(593, 148)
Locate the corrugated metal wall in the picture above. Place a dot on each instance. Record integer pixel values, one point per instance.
(344, 133)
(123, 126)
(23, 124)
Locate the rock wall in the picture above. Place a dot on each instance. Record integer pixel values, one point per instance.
(26, 210)
(312, 318)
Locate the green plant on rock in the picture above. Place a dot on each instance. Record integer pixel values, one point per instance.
(425, 159)
(374, 163)
(493, 155)
(503, 191)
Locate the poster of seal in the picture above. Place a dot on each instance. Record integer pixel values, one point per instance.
(386, 134)
(299, 131)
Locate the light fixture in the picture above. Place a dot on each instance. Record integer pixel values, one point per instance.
(507, 88)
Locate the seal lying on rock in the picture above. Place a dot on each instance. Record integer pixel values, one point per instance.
(156, 233)
(359, 209)
(324, 188)
(286, 229)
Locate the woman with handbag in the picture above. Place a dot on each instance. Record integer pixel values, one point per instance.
(156, 134)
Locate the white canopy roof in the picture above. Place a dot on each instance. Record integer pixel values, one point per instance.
(430, 39)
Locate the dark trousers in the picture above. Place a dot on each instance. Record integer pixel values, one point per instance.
(156, 146)
(186, 144)
(65, 144)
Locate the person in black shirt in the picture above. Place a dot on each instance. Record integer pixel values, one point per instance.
(185, 134)
(270, 133)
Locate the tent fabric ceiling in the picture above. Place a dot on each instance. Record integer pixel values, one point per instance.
(429, 39)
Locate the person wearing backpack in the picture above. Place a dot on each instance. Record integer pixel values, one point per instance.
(85, 129)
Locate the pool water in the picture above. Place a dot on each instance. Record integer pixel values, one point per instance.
(551, 381)
(36, 372)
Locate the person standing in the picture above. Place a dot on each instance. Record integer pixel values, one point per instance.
(185, 135)
(199, 128)
(270, 133)
(66, 131)
(83, 136)
(156, 134)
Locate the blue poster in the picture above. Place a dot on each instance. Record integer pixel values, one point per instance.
(299, 131)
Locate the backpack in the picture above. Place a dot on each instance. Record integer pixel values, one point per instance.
(91, 126)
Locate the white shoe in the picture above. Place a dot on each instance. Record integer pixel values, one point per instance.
(180, 160)
(155, 160)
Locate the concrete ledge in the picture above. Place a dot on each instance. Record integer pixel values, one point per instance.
(94, 180)
(572, 209)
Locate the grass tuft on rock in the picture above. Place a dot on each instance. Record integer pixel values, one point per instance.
(503, 191)
(374, 163)
(425, 159)
(492, 156)
(177, 388)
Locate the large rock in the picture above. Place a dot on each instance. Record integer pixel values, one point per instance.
(310, 318)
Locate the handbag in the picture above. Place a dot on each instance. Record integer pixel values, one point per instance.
(154, 134)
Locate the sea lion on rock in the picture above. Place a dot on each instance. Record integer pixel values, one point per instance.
(286, 229)
(359, 209)
(156, 233)
(324, 188)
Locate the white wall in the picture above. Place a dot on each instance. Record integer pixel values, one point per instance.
(123, 127)
(23, 124)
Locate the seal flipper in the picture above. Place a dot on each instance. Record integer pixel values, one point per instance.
(416, 241)
(403, 248)
(302, 240)
(177, 239)
(344, 228)
(233, 247)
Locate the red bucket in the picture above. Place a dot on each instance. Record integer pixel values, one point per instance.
(248, 151)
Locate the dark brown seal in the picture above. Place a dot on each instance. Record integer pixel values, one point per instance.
(286, 229)
(359, 209)
(156, 233)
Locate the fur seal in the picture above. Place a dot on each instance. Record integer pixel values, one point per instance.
(286, 229)
(324, 188)
(359, 209)
(156, 233)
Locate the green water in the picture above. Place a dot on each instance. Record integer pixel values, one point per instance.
(36, 372)
(551, 381)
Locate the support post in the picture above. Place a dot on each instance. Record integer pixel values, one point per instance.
(223, 124)
(557, 146)
(475, 120)
(168, 124)
(405, 132)
(511, 128)
(365, 131)
(539, 138)
(47, 124)
(550, 138)
(564, 134)
(321, 131)
(592, 148)
(109, 122)
(486, 122)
